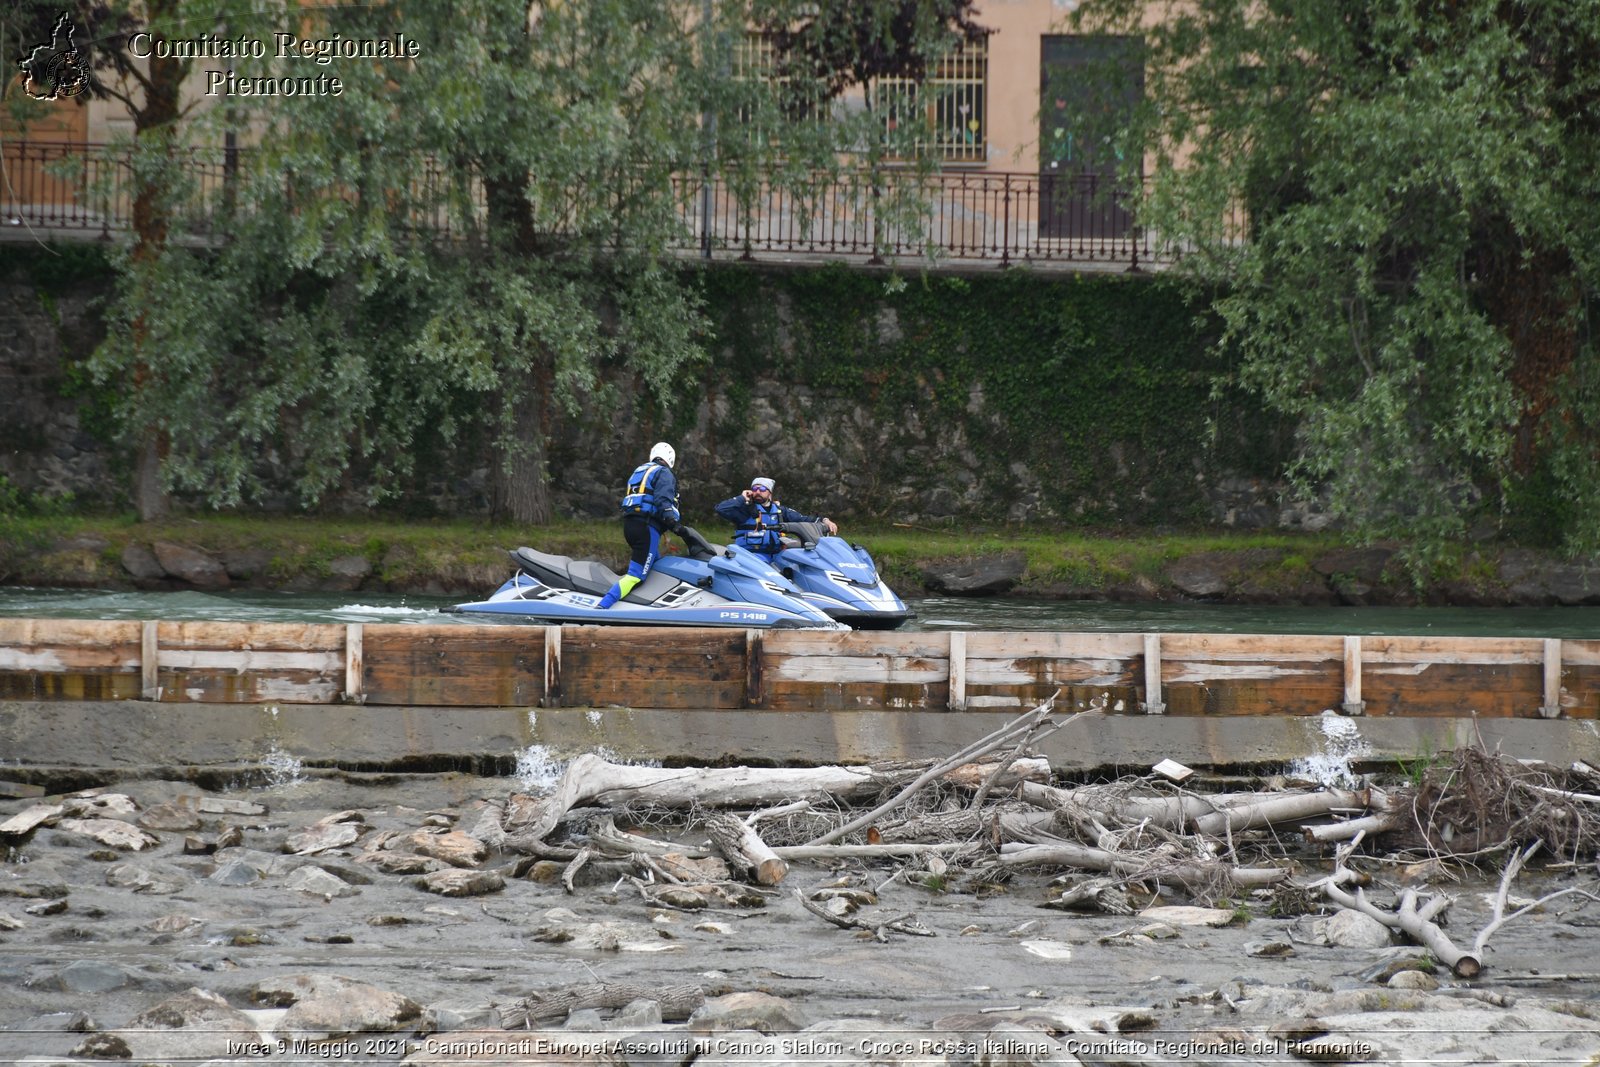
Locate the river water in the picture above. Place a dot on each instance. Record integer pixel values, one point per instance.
(933, 613)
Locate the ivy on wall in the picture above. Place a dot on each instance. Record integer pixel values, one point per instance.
(1102, 388)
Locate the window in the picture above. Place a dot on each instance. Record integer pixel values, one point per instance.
(950, 101)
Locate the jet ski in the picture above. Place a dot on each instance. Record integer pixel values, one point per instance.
(710, 587)
(838, 577)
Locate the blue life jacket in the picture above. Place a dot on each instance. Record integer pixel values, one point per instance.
(640, 499)
(759, 532)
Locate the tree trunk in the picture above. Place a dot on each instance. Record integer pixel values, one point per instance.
(1534, 301)
(153, 126)
(521, 488)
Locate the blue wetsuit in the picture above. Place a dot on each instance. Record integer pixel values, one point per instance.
(649, 507)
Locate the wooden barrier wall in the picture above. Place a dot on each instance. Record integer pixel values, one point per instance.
(596, 666)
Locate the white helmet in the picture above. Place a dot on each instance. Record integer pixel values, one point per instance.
(663, 451)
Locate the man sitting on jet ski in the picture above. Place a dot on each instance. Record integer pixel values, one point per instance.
(649, 509)
(757, 515)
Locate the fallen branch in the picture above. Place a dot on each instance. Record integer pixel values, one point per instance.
(677, 1002)
(590, 779)
(744, 850)
(1189, 873)
(902, 924)
(982, 747)
(840, 852)
(1343, 831)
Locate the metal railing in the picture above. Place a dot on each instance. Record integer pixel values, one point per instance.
(87, 191)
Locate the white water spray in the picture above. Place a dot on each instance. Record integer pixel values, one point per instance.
(1341, 743)
(283, 768)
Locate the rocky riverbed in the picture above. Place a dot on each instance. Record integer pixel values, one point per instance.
(344, 918)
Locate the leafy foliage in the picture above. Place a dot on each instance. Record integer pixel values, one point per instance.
(1418, 279)
(1089, 385)
(331, 337)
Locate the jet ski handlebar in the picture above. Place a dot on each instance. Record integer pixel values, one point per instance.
(699, 547)
(809, 533)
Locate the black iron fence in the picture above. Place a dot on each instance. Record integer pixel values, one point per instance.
(87, 191)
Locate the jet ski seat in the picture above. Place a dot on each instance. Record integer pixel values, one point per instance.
(564, 572)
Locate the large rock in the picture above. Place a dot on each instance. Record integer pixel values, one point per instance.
(346, 573)
(141, 563)
(1352, 929)
(984, 576)
(318, 882)
(90, 976)
(155, 879)
(747, 1011)
(113, 833)
(455, 847)
(193, 1026)
(456, 882)
(321, 838)
(190, 565)
(354, 1007)
(1202, 576)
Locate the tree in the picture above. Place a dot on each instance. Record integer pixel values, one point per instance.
(120, 48)
(1419, 269)
(467, 245)
(455, 244)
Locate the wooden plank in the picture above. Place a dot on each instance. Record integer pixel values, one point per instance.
(238, 661)
(241, 663)
(1580, 653)
(1455, 689)
(1255, 697)
(69, 685)
(63, 634)
(892, 670)
(489, 666)
(353, 685)
(69, 659)
(754, 668)
(1046, 644)
(1045, 671)
(957, 671)
(1261, 648)
(1580, 685)
(643, 667)
(552, 667)
(1251, 674)
(1153, 702)
(1352, 676)
(1464, 650)
(254, 636)
(150, 661)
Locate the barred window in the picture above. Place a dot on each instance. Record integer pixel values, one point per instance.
(755, 59)
(951, 102)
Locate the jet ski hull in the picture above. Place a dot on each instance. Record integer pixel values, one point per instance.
(711, 588)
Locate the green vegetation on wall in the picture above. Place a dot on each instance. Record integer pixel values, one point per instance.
(1101, 387)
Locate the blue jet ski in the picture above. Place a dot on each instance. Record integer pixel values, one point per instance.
(710, 587)
(838, 577)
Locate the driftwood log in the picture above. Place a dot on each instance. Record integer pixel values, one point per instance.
(1194, 874)
(1222, 814)
(591, 780)
(677, 1002)
(744, 850)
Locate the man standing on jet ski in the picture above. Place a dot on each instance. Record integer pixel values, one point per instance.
(757, 515)
(649, 509)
